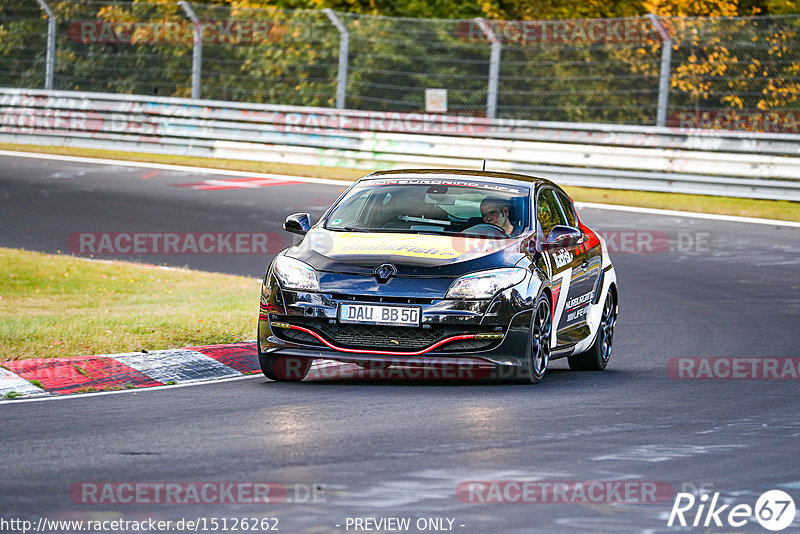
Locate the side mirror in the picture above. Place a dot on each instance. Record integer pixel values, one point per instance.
(529, 246)
(297, 223)
(563, 237)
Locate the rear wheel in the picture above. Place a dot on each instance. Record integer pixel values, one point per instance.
(539, 350)
(597, 356)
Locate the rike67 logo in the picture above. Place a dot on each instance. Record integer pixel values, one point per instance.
(774, 510)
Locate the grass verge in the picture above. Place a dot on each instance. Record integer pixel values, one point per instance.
(64, 306)
(767, 209)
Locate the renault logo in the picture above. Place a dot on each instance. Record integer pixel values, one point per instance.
(384, 272)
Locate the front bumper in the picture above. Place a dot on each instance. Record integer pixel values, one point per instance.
(481, 332)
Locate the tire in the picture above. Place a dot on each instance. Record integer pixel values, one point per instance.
(283, 368)
(597, 356)
(539, 344)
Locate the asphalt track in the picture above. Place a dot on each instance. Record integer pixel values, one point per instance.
(392, 448)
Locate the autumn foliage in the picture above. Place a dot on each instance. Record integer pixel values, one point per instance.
(591, 60)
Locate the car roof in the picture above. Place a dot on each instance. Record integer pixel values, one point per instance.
(505, 178)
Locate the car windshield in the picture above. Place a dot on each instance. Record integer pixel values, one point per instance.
(432, 206)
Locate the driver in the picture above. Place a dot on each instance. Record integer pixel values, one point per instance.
(495, 211)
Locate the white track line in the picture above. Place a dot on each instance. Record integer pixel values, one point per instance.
(303, 179)
(674, 213)
(170, 167)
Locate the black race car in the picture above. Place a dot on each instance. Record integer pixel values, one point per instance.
(441, 267)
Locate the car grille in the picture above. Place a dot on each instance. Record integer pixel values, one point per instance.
(384, 299)
(395, 338)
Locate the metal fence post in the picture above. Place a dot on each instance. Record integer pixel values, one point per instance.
(494, 68)
(344, 52)
(197, 48)
(663, 81)
(51, 45)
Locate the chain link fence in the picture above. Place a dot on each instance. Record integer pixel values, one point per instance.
(730, 73)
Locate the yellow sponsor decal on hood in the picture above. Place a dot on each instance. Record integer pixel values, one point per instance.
(412, 245)
(415, 246)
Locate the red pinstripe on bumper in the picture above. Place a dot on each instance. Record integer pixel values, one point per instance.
(383, 352)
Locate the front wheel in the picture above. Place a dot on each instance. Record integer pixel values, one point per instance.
(283, 368)
(597, 356)
(539, 350)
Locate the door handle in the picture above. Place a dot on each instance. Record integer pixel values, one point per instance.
(585, 265)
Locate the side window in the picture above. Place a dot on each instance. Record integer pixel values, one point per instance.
(569, 209)
(548, 212)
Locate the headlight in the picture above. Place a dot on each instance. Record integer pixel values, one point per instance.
(294, 274)
(485, 284)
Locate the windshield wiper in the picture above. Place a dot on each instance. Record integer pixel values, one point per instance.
(348, 229)
(408, 218)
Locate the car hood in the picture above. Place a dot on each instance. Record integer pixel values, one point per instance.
(411, 254)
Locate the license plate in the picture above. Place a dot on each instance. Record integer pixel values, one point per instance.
(377, 314)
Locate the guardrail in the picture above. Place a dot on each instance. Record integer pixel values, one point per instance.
(593, 155)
